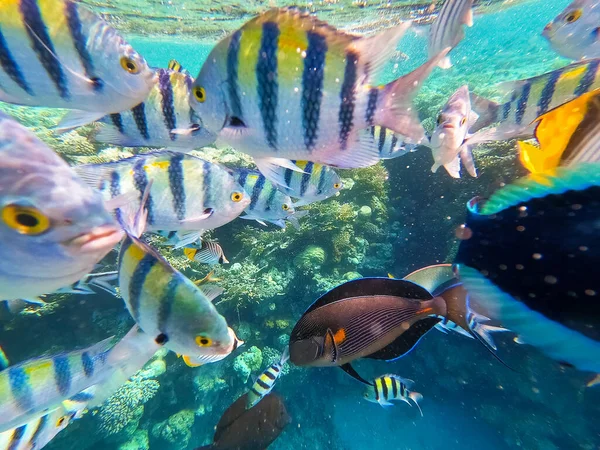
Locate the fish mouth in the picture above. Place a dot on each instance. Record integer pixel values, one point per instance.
(448, 126)
(99, 239)
(547, 33)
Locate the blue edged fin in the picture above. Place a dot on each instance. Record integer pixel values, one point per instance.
(560, 180)
(552, 338)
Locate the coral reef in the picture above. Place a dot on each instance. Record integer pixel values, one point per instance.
(248, 362)
(175, 432)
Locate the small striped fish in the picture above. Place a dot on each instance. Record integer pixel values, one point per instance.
(530, 98)
(187, 193)
(391, 145)
(150, 124)
(267, 203)
(477, 325)
(167, 305)
(34, 435)
(392, 387)
(58, 54)
(314, 183)
(208, 253)
(295, 88)
(447, 29)
(28, 388)
(266, 381)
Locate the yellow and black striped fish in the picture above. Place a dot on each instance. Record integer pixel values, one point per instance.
(36, 433)
(294, 87)
(530, 98)
(58, 54)
(266, 381)
(387, 388)
(164, 119)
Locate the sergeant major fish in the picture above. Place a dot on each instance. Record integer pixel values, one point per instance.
(308, 91)
(58, 54)
(447, 29)
(266, 381)
(391, 145)
(151, 123)
(530, 98)
(387, 388)
(166, 304)
(575, 32)
(37, 433)
(187, 193)
(46, 211)
(447, 141)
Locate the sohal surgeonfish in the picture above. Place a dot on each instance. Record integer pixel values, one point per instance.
(529, 261)
(376, 318)
(250, 429)
(287, 86)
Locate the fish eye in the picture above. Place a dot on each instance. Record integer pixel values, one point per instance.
(337, 185)
(463, 121)
(440, 120)
(25, 220)
(237, 197)
(203, 341)
(285, 206)
(573, 16)
(129, 65)
(60, 421)
(199, 94)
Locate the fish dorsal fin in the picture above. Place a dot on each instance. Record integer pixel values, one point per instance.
(175, 66)
(362, 287)
(406, 341)
(432, 277)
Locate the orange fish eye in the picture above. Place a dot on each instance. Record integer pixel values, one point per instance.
(573, 16)
(129, 65)
(203, 341)
(285, 206)
(337, 185)
(25, 219)
(463, 121)
(237, 197)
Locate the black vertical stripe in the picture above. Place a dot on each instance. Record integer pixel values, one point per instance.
(271, 197)
(233, 54)
(136, 284)
(177, 185)
(167, 102)
(242, 178)
(347, 97)
(522, 103)
(312, 87)
(256, 190)
(267, 83)
(139, 116)
(42, 45)
(62, 374)
(41, 425)
(382, 136)
(18, 381)
(166, 303)
(270, 375)
(306, 176)
(16, 436)
(262, 384)
(548, 92)
(80, 43)
(384, 389)
(88, 364)
(588, 78)
(395, 383)
(322, 177)
(394, 142)
(117, 121)
(10, 66)
(140, 179)
(372, 107)
(288, 177)
(206, 184)
(377, 389)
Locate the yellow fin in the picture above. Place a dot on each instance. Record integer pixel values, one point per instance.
(190, 253)
(210, 278)
(391, 276)
(175, 65)
(188, 361)
(594, 381)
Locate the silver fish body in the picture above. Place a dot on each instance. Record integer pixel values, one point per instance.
(58, 54)
(447, 140)
(187, 193)
(447, 29)
(314, 183)
(575, 32)
(390, 144)
(152, 123)
(53, 227)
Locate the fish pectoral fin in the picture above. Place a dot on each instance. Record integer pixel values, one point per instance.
(468, 19)
(188, 362)
(466, 156)
(77, 118)
(211, 291)
(354, 374)
(445, 63)
(361, 151)
(453, 168)
(404, 343)
(274, 168)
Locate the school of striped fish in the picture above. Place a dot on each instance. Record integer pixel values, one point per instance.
(300, 97)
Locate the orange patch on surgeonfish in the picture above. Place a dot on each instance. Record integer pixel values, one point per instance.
(425, 310)
(339, 336)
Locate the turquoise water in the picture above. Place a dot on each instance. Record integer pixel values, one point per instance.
(470, 400)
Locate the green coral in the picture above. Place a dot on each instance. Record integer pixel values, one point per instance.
(176, 431)
(248, 362)
(139, 441)
(310, 259)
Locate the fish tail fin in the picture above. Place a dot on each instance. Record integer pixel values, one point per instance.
(485, 332)
(285, 356)
(416, 398)
(487, 110)
(133, 221)
(397, 111)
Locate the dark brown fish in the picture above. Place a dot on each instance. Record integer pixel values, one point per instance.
(250, 429)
